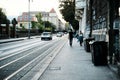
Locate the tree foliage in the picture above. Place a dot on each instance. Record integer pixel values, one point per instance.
(3, 18)
(33, 24)
(38, 24)
(39, 18)
(49, 26)
(67, 9)
(43, 25)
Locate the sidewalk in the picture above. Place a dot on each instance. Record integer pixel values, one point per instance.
(73, 63)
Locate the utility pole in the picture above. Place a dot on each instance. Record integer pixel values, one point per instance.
(14, 22)
(91, 13)
(111, 18)
(28, 19)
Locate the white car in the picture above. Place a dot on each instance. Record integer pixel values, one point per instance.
(59, 34)
(46, 36)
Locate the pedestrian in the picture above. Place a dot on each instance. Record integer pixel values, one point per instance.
(81, 38)
(77, 35)
(70, 37)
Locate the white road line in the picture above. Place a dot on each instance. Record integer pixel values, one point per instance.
(25, 66)
(22, 56)
(17, 45)
(23, 49)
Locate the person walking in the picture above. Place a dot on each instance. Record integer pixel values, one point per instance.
(77, 35)
(81, 38)
(70, 37)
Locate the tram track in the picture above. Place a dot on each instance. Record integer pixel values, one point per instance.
(17, 65)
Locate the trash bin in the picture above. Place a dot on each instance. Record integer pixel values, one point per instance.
(87, 45)
(118, 66)
(99, 52)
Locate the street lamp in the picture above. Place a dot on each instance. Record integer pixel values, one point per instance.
(28, 19)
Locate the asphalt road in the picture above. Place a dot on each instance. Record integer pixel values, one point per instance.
(18, 59)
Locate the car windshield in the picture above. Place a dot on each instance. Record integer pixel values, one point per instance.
(46, 33)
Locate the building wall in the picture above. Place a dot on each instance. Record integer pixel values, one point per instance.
(83, 21)
(46, 16)
(80, 10)
(24, 19)
(25, 24)
(53, 18)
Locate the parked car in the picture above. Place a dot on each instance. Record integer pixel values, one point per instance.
(46, 36)
(59, 34)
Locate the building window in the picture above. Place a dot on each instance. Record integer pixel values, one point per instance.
(21, 25)
(25, 17)
(20, 18)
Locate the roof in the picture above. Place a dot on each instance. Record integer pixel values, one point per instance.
(52, 10)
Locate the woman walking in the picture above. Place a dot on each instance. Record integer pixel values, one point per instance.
(81, 38)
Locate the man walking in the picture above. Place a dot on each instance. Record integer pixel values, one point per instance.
(70, 37)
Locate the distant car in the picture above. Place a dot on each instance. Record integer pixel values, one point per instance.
(46, 36)
(59, 34)
(65, 32)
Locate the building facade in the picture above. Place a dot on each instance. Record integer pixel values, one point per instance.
(103, 22)
(53, 18)
(25, 20)
(80, 14)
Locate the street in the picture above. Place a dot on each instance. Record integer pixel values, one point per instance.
(60, 40)
(19, 58)
(33, 59)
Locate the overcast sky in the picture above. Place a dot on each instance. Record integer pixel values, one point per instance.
(16, 7)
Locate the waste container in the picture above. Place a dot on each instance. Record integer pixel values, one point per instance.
(99, 52)
(87, 45)
(118, 66)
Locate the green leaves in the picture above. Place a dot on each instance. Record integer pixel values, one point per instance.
(3, 18)
(67, 9)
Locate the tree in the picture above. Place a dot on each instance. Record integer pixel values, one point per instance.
(67, 9)
(49, 26)
(39, 18)
(33, 24)
(3, 18)
(39, 24)
(43, 25)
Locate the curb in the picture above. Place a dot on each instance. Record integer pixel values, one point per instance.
(6, 41)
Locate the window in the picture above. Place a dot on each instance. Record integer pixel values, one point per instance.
(20, 18)
(21, 25)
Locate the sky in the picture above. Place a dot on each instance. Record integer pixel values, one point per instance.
(16, 7)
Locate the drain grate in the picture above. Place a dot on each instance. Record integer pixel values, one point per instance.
(54, 68)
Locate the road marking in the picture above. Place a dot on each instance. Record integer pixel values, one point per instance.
(18, 45)
(23, 49)
(23, 56)
(10, 76)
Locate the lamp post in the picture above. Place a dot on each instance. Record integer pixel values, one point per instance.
(28, 19)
